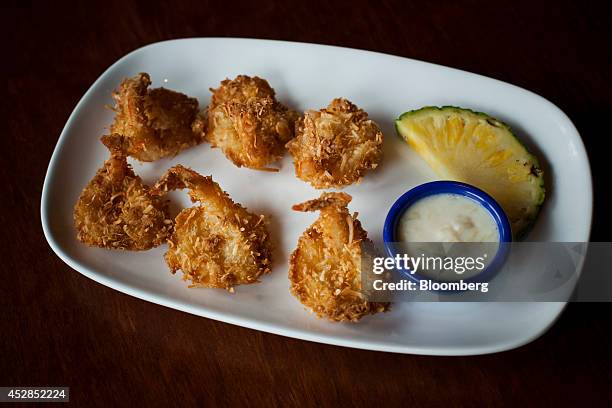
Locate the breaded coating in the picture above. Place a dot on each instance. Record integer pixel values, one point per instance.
(218, 243)
(116, 210)
(156, 122)
(334, 147)
(325, 269)
(247, 122)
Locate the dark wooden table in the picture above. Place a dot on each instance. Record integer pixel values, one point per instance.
(60, 328)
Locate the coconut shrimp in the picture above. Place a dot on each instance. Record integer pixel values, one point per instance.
(116, 209)
(155, 122)
(335, 146)
(325, 270)
(218, 243)
(247, 122)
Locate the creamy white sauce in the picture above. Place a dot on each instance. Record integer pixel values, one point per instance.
(447, 218)
(450, 218)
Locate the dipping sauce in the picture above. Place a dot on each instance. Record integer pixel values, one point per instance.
(447, 218)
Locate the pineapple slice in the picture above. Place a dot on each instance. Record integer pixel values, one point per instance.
(474, 148)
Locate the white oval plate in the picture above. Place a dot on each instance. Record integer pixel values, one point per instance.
(309, 76)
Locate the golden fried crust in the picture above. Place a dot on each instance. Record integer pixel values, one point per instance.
(156, 122)
(247, 122)
(217, 244)
(116, 210)
(325, 268)
(334, 147)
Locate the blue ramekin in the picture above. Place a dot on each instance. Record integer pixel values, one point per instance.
(450, 187)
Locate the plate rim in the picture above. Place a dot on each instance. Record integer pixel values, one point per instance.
(254, 324)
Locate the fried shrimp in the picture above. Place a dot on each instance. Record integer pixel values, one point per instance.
(325, 269)
(217, 244)
(116, 210)
(247, 122)
(335, 146)
(156, 122)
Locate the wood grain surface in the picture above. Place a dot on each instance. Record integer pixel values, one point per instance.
(59, 328)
